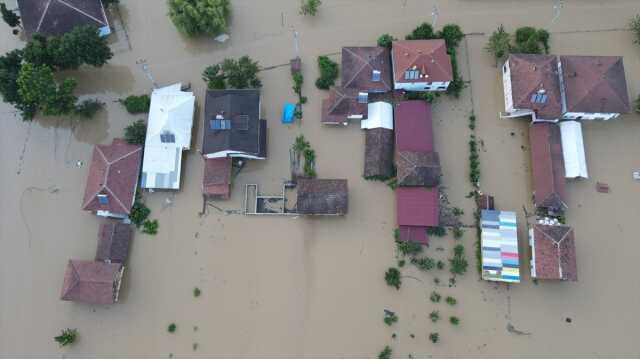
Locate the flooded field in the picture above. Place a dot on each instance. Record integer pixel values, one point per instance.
(292, 287)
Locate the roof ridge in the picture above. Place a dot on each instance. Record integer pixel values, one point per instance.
(123, 156)
(76, 279)
(81, 11)
(117, 199)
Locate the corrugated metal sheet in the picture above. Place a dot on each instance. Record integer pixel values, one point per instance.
(499, 241)
(575, 163)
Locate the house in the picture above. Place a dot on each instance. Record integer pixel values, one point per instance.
(575, 162)
(168, 135)
(322, 197)
(114, 239)
(344, 104)
(550, 88)
(113, 178)
(416, 161)
(216, 183)
(421, 65)
(553, 252)
(56, 17)
(232, 125)
(547, 165)
(366, 69)
(92, 282)
(417, 208)
(499, 246)
(379, 138)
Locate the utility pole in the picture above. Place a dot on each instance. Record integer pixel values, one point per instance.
(147, 71)
(434, 15)
(296, 45)
(557, 8)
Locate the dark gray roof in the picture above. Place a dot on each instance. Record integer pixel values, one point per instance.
(55, 17)
(322, 196)
(114, 239)
(247, 132)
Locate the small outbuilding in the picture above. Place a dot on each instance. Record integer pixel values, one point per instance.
(92, 282)
(56, 17)
(114, 240)
(327, 197)
(499, 245)
(216, 183)
(553, 252)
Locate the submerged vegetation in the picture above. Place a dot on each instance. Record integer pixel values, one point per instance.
(393, 278)
(385, 353)
(137, 104)
(328, 73)
(390, 318)
(67, 337)
(302, 147)
(458, 264)
(528, 40)
(310, 7)
(232, 74)
(634, 24)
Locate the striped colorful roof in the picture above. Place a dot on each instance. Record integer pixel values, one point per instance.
(499, 240)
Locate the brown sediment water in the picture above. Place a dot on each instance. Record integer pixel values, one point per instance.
(287, 287)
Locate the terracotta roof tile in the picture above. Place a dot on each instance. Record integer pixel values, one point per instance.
(91, 282)
(342, 103)
(358, 64)
(555, 252)
(418, 168)
(217, 177)
(532, 75)
(378, 152)
(547, 164)
(428, 56)
(322, 196)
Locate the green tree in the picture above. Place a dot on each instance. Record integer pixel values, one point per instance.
(328, 73)
(137, 104)
(634, 24)
(385, 354)
(37, 88)
(136, 134)
(11, 18)
(424, 31)
(231, 73)
(10, 65)
(452, 35)
(385, 40)
(139, 213)
(499, 44)
(408, 248)
(310, 7)
(393, 278)
(200, 17)
(82, 45)
(67, 337)
(150, 227)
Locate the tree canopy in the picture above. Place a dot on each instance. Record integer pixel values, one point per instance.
(499, 43)
(11, 18)
(231, 73)
(38, 89)
(200, 17)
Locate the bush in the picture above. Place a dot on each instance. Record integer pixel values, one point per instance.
(451, 300)
(458, 264)
(454, 320)
(424, 31)
(634, 24)
(437, 231)
(136, 133)
(530, 40)
(452, 35)
(10, 18)
(385, 40)
(196, 292)
(385, 354)
(172, 328)
(435, 297)
(67, 337)
(434, 337)
(328, 73)
(390, 318)
(425, 264)
(139, 213)
(137, 104)
(88, 108)
(434, 316)
(457, 212)
(150, 227)
(407, 248)
(200, 17)
(458, 232)
(393, 278)
(310, 7)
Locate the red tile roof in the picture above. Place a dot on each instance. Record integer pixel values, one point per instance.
(358, 64)
(113, 172)
(413, 126)
(114, 239)
(217, 177)
(342, 103)
(428, 56)
(417, 168)
(547, 164)
(555, 252)
(532, 75)
(595, 84)
(91, 282)
(418, 206)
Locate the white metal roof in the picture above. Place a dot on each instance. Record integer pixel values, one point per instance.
(380, 115)
(168, 134)
(575, 163)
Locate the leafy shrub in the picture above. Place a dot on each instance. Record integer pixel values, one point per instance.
(451, 300)
(172, 328)
(454, 320)
(328, 73)
(401, 263)
(457, 212)
(385, 40)
(139, 213)
(434, 337)
(408, 248)
(434, 316)
(390, 318)
(385, 354)
(458, 232)
(136, 133)
(137, 104)
(435, 297)
(424, 31)
(88, 108)
(530, 40)
(393, 278)
(67, 337)
(425, 264)
(150, 227)
(452, 35)
(196, 292)
(499, 44)
(458, 264)
(437, 231)
(310, 7)
(634, 24)
(200, 17)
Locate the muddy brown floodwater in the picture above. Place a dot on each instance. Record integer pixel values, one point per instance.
(314, 288)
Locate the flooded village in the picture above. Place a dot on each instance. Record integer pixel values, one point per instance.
(384, 179)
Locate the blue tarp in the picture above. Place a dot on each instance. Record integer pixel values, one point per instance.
(288, 113)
